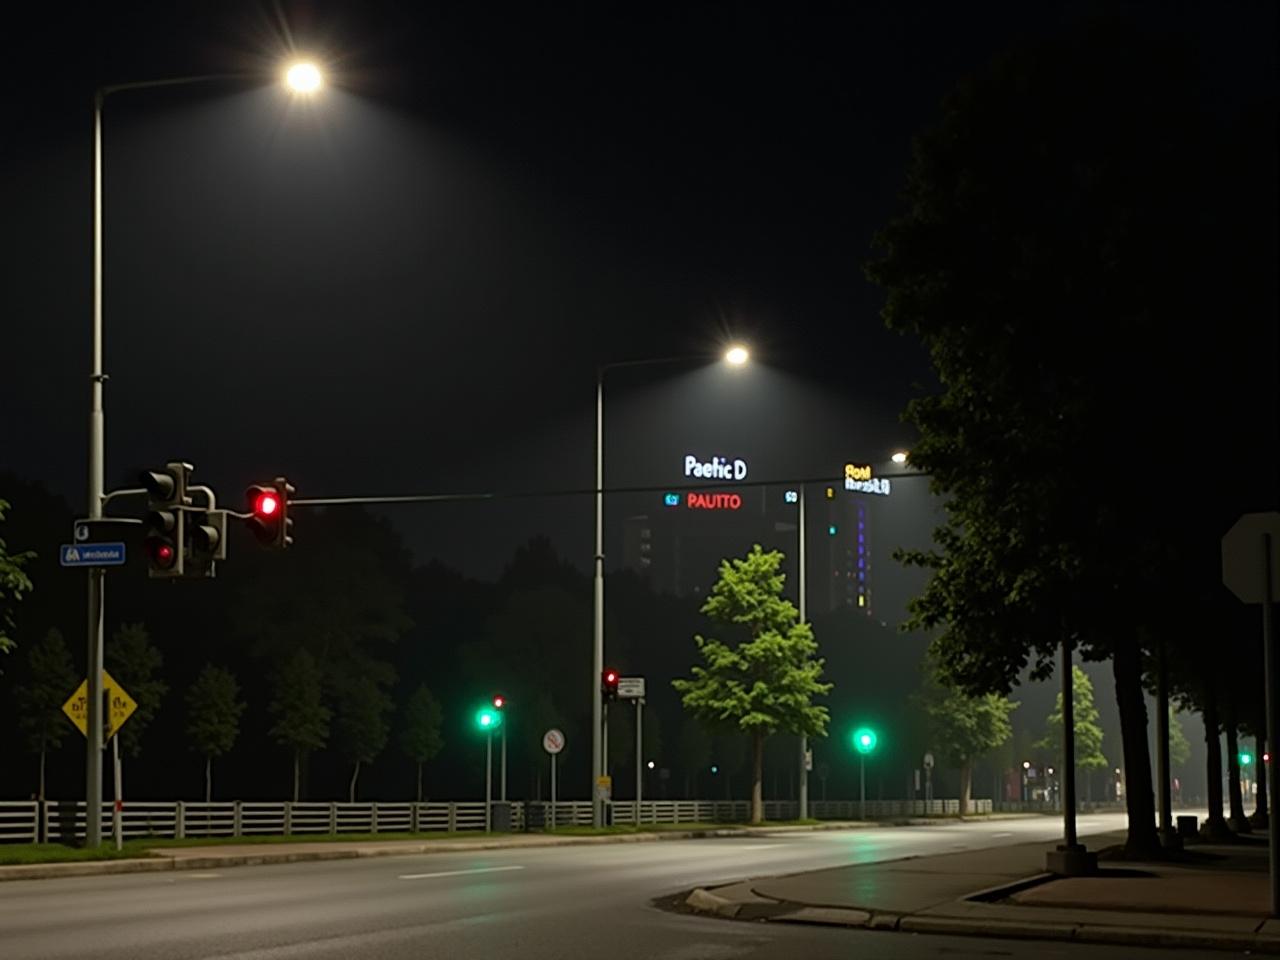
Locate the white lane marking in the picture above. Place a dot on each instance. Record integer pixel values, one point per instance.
(456, 873)
(997, 836)
(201, 876)
(761, 846)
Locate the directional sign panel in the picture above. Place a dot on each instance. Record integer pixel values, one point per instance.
(91, 554)
(120, 706)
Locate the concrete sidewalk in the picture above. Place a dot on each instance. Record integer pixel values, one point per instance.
(1217, 897)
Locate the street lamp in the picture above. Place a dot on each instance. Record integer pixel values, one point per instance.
(735, 355)
(900, 457)
(299, 77)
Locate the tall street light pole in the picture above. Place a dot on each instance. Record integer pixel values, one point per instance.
(735, 356)
(300, 78)
(803, 812)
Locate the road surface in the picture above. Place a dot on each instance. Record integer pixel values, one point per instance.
(542, 904)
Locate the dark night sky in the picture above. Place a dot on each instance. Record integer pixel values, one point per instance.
(405, 286)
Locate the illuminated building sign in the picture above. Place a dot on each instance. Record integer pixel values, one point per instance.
(717, 468)
(671, 500)
(697, 500)
(858, 479)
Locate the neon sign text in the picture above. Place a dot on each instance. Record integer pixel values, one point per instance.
(713, 501)
(858, 479)
(717, 468)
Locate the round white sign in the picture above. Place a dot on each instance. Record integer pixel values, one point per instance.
(553, 741)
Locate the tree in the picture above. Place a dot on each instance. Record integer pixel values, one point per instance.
(213, 717)
(302, 719)
(1179, 746)
(766, 682)
(362, 725)
(51, 679)
(134, 663)
(420, 735)
(1087, 725)
(14, 584)
(963, 728)
(1045, 260)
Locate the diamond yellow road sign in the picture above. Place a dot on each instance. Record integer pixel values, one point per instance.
(120, 706)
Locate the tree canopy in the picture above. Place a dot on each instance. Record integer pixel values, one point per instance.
(14, 584)
(135, 663)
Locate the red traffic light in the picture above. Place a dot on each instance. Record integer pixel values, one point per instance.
(499, 702)
(266, 505)
(609, 683)
(162, 553)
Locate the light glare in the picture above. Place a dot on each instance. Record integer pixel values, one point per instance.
(899, 457)
(737, 355)
(303, 77)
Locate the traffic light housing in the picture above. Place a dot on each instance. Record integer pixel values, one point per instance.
(609, 684)
(164, 526)
(269, 512)
(206, 535)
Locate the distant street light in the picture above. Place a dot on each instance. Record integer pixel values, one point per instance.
(736, 355)
(900, 457)
(302, 78)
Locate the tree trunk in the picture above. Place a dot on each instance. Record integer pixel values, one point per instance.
(757, 777)
(419, 781)
(966, 786)
(1259, 818)
(1235, 798)
(1215, 827)
(208, 779)
(297, 765)
(351, 790)
(1139, 800)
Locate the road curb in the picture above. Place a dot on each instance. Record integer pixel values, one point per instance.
(84, 868)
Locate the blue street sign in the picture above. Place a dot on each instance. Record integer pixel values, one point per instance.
(91, 554)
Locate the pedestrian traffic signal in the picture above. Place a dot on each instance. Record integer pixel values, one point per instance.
(269, 512)
(1246, 759)
(488, 718)
(163, 539)
(609, 684)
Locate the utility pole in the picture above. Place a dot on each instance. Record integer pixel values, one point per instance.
(803, 806)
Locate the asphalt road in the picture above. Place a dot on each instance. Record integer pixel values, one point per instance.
(564, 902)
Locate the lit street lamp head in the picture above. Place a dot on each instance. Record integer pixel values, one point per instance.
(303, 77)
(899, 457)
(737, 355)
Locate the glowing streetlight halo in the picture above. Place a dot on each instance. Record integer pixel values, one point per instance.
(737, 355)
(303, 76)
(864, 740)
(899, 457)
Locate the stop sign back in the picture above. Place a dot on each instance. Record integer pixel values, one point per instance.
(1248, 549)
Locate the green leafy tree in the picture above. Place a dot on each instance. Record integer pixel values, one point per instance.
(1047, 263)
(420, 737)
(694, 752)
(766, 682)
(963, 728)
(213, 717)
(14, 584)
(301, 717)
(51, 679)
(134, 663)
(1179, 747)
(361, 725)
(1088, 730)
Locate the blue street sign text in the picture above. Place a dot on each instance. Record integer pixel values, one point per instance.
(91, 554)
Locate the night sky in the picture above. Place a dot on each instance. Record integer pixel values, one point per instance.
(405, 285)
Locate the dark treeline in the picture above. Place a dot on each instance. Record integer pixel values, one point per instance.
(349, 594)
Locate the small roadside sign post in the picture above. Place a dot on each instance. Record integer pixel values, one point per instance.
(91, 554)
(632, 688)
(1251, 570)
(553, 743)
(119, 708)
(928, 780)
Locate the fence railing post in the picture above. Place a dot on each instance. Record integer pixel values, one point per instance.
(179, 820)
(413, 818)
(288, 818)
(374, 817)
(452, 825)
(236, 825)
(333, 818)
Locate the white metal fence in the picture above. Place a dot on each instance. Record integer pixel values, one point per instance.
(27, 821)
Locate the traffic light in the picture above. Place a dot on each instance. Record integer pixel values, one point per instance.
(488, 719)
(864, 740)
(206, 536)
(1246, 759)
(164, 541)
(269, 512)
(499, 702)
(609, 684)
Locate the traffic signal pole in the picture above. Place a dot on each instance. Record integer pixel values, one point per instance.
(597, 628)
(804, 740)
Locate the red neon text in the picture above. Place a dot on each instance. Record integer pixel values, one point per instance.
(713, 501)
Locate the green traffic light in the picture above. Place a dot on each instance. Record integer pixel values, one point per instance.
(487, 718)
(864, 740)
(1246, 759)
